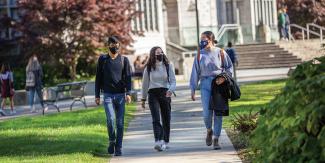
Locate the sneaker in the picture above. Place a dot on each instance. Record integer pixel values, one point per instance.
(163, 145)
(118, 151)
(32, 110)
(2, 112)
(216, 145)
(46, 108)
(158, 146)
(208, 139)
(166, 145)
(14, 112)
(110, 148)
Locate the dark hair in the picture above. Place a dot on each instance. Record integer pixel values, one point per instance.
(210, 36)
(5, 68)
(113, 39)
(152, 59)
(229, 44)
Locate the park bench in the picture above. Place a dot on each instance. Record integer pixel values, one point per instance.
(66, 91)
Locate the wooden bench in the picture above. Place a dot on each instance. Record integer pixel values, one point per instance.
(66, 91)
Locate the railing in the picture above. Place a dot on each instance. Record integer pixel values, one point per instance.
(226, 27)
(307, 31)
(321, 29)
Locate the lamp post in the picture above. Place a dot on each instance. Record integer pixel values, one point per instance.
(197, 24)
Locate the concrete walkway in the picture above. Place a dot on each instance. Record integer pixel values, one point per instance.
(187, 144)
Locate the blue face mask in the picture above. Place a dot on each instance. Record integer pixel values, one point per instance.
(203, 44)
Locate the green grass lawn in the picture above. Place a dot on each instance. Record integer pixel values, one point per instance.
(253, 97)
(79, 136)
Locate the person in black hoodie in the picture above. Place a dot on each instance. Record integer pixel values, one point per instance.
(113, 78)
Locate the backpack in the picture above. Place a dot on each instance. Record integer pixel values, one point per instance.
(30, 79)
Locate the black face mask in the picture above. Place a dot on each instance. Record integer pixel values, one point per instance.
(113, 50)
(159, 57)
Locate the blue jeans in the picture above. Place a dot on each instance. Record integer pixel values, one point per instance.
(31, 95)
(207, 113)
(114, 105)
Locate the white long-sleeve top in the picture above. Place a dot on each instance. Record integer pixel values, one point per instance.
(158, 79)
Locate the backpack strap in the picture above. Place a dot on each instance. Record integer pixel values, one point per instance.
(222, 54)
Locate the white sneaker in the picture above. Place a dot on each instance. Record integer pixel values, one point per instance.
(14, 111)
(158, 146)
(166, 145)
(163, 145)
(2, 112)
(46, 108)
(32, 110)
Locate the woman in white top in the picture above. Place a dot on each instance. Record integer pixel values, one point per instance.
(159, 82)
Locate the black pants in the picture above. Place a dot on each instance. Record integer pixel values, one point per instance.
(159, 103)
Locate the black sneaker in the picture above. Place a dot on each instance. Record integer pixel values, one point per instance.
(118, 151)
(216, 145)
(110, 148)
(208, 139)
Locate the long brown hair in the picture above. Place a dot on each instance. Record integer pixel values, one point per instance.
(152, 59)
(5, 68)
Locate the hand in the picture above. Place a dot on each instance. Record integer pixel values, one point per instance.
(143, 104)
(97, 101)
(169, 94)
(128, 99)
(220, 80)
(193, 96)
(236, 64)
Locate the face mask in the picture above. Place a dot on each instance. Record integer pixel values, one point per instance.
(203, 44)
(35, 59)
(159, 57)
(113, 50)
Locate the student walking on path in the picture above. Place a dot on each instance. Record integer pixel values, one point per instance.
(159, 82)
(113, 78)
(207, 65)
(34, 84)
(233, 56)
(7, 88)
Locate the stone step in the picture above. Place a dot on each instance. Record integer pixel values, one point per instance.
(265, 63)
(287, 59)
(267, 57)
(267, 66)
(261, 51)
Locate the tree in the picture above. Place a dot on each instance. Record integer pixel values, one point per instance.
(66, 30)
(304, 11)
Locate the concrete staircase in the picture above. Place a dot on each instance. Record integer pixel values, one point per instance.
(260, 56)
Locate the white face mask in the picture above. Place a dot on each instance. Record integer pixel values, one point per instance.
(35, 59)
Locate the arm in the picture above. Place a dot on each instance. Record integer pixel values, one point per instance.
(145, 84)
(194, 76)
(98, 79)
(128, 76)
(172, 78)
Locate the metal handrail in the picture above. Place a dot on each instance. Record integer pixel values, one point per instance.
(224, 28)
(300, 27)
(317, 26)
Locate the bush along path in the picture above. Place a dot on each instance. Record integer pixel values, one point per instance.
(291, 128)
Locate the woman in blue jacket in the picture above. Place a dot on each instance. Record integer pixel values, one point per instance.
(210, 62)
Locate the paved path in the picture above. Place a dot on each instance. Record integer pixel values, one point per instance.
(187, 138)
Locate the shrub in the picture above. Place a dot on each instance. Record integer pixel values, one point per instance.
(245, 123)
(291, 128)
